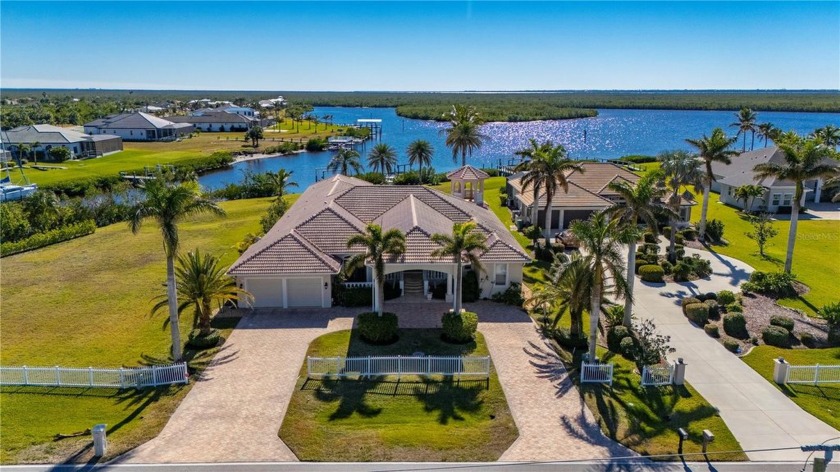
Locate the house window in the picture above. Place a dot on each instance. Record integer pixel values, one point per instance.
(777, 199)
(501, 274)
(132, 132)
(787, 200)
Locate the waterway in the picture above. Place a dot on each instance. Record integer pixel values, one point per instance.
(612, 134)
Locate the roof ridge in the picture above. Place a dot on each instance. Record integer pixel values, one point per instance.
(241, 262)
(616, 176)
(312, 248)
(590, 192)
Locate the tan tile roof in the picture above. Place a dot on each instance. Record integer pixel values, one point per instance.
(586, 188)
(291, 254)
(467, 172)
(330, 229)
(577, 197)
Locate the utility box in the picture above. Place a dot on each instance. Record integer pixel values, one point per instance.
(100, 440)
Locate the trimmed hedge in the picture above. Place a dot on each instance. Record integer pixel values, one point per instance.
(714, 309)
(710, 296)
(776, 336)
(735, 325)
(354, 297)
(725, 297)
(626, 345)
(614, 337)
(375, 329)
(688, 301)
(807, 339)
(697, 312)
(459, 328)
(651, 273)
(730, 345)
(689, 234)
(54, 236)
(782, 321)
(650, 238)
(712, 330)
(565, 339)
(734, 307)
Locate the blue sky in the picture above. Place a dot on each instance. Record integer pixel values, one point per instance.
(420, 46)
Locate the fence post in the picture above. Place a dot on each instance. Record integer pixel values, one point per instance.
(816, 374)
(780, 370)
(367, 374)
(90, 376)
(122, 378)
(154, 376)
(57, 376)
(399, 367)
(25, 375)
(679, 372)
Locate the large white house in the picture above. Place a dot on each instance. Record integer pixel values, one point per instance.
(299, 260)
(139, 126)
(216, 121)
(43, 138)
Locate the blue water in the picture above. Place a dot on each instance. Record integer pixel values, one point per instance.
(612, 134)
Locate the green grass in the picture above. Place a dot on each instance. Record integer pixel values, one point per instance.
(86, 302)
(821, 401)
(386, 420)
(815, 240)
(646, 419)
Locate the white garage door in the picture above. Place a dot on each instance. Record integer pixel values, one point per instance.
(267, 292)
(304, 292)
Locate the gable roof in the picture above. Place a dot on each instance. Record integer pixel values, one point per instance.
(137, 120)
(740, 170)
(587, 188)
(212, 117)
(44, 134)
(312, 236)
(467, 172)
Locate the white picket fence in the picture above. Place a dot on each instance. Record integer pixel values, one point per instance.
(813, 374)
(397, 365)
(596, 373)
(657, 375)
(91, 377)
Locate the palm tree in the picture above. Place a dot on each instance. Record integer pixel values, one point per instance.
(640, 202)
(748, 193)
(378, 246)
(382, 159)
(420, 152)
(803, 160)
(601, 237)
(35, 146)
(169, 203)
(828, 135)
(679, 169)
(202, 284)
(765, 131)
(714, 148)
(570, 289)
(745, 124)
(552, 165)
(532, 179)
(464, 132)
(345, 161)
(464, 244)
(280, 181)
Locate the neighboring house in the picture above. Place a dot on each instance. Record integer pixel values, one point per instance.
(243, 111)
(778, 193)
(48, 136)
(138, 126)
(215, 121)
(588, 193)
(297, 263)
(273, 102)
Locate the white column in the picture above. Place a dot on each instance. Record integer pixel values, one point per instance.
(449, 296)
(818, 190)
(560, 220)
(285, 294)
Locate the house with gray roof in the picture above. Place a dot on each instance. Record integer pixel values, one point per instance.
(139, 126)
(216, 121)
(298, 262)
(778, 194)
(43, 138)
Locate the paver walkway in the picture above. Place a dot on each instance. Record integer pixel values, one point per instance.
(757, 413)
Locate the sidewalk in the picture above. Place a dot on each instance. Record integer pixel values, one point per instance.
(757, 413)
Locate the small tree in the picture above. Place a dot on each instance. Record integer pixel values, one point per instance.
(748, 194)
(255, 134)
(763, 231)
(59, 154)
(534, 233)
(275, 211)
(650, 347)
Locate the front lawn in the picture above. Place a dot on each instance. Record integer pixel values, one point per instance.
(86, 302)
(821, 401)
(384, 419)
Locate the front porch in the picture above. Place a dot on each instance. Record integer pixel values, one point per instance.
(410, 284)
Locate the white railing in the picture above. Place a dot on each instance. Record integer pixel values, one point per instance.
(813, 374)
(434, 275)
(397, 365)
(596, 373)
(90, 377)
(656, 375)
(358, 284)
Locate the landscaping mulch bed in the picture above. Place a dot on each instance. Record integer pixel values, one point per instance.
(758, 309)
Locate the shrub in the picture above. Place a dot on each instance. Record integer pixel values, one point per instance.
(197, 341)
(411, 177)
(711, 296)
(626, 347)
(699, 266)
(773, 284)
(701, 297)
(725, 297)
(666, 231)
(354, 297)
(667, 267)
(712, 330)
(651, 273)
(375, 329)
(734, 307)
(565, 339)
(614, 337)
(776, 336)
(614, 315)
(679, 239)
(650, 249)
(373, 177)
(697, 312)
(681, 271)
(459, 328)
(807, 339)
(782, 321)
(650, 238)
(316, 144)
(735, 325)
(689, 234)
(730, 345)
(714, 230)
(688, 301)
(47, 238)
(511, 296)
(831, 314)
(714, 309)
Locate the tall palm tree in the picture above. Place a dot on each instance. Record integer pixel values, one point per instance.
(378, 246)
(463, 135)
(745, 124)
(828, 135)
(346, 160)
(804, 159)
(35, 146)
(553, 166)
(641, 202)
(570, 289)
(382, 159)
(169, 203)
(532, 179)
(765, 131)
(463, 245)
(203, 284)
(714, 148)
(679, 169)
(601, 237)
(420, 152)
(280, 181)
